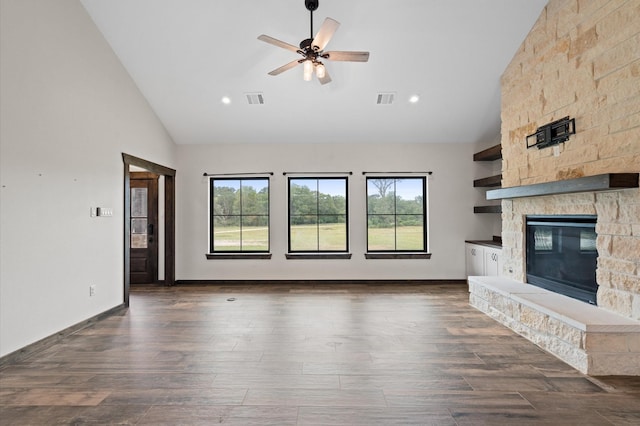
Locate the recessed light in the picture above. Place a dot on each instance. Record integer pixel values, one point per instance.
(414, 99)
(226, 100)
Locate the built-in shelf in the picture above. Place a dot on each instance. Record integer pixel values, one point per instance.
(604, 182)
(491, 181)
(488, 209)
(489, 154)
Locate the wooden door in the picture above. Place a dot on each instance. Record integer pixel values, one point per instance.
(143, 254)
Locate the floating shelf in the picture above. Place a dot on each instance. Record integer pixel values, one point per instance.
(489, 154)
(488, 209)
(605, 182)
(491, 181)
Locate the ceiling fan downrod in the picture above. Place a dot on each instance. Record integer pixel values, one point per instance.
(306, 49)
(311, 5)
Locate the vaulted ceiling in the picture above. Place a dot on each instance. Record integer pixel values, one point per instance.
(186, 55)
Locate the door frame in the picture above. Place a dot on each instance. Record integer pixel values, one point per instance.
(169, 219)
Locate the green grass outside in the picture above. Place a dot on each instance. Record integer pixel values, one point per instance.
(406, 238)
(255, 238)
(331, 236)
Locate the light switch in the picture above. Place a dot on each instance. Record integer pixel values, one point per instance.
(104, 211)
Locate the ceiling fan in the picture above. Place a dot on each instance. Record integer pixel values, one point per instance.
(312, 49)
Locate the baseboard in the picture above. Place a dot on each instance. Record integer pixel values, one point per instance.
(367, 282)
(49, 341)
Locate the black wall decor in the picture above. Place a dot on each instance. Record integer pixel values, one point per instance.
(552, 133)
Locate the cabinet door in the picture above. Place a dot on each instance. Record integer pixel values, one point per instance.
(475, 260)
(492, 265)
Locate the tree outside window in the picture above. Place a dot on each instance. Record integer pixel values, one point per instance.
(396, 214)
(239, 219)
(318, 215)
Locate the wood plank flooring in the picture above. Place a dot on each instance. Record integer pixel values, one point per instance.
(313, 355)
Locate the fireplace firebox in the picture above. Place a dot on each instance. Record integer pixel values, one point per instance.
(562, 255)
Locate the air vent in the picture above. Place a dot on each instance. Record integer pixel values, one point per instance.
(385, 98)
(255, 98)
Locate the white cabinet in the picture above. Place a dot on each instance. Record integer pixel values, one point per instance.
(482, 260)
(475, 260)
(492, 264)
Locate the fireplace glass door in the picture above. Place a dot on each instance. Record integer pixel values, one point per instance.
(562, 256)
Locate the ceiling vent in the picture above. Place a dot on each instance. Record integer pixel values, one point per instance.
(255, 98)
(385, 98)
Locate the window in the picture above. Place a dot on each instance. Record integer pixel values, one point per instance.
(396, 214)
(239, 215)
(318, 219)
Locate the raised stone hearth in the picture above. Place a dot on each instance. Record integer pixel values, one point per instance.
(591, 339)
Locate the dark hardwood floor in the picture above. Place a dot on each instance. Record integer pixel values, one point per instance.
(285, 355)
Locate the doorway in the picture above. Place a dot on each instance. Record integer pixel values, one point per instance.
(168, 223)
(144, 238)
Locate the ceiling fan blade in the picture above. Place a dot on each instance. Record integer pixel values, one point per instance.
(326, 31)
(285, 67)
(326, 79)
(347, 56)
(278, 43)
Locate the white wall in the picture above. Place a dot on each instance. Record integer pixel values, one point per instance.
(451, 196)
(68, 110)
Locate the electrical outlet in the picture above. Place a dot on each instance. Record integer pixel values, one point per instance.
(92, 290)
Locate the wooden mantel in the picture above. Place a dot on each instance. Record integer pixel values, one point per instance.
(605, 182)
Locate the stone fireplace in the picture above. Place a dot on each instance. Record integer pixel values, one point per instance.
(561, 255)
(579, 60)
(618, 214)
(602, 340)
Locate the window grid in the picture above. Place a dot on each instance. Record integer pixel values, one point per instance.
(240, 217)
(320, 247)
(396, 216)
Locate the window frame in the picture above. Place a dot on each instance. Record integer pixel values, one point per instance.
(395, 254)
(325, 254)
(232, 254)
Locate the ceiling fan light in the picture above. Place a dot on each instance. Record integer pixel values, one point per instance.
(320, 70)
(307, 70)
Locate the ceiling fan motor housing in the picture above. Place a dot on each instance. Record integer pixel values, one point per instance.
(305, 44)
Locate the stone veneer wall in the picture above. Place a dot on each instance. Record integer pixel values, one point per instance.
(618, 243)
(581, 59)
